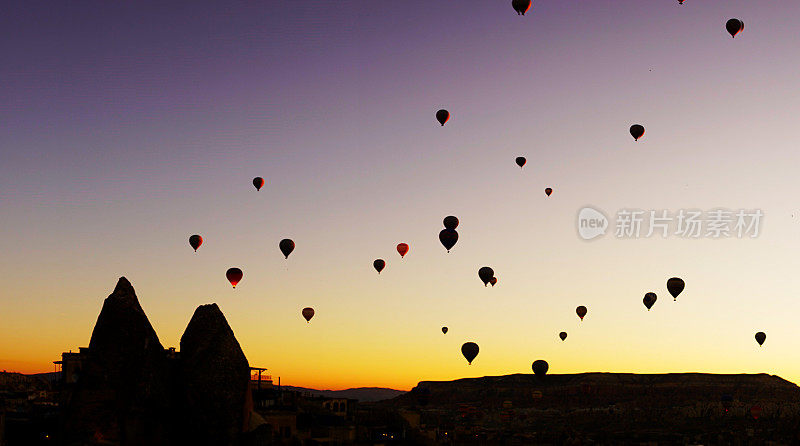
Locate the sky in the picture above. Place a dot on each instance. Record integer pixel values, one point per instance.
(126, 127)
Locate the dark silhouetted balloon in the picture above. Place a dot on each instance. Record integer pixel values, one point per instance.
(195, 241)
(521, 161)
(450, 222)
(637, 131)
(675, 285)
(486, 275)
(734, 27)
(258, 182)
(761, 337)
(234, 276)
(649, 300)
(755, 411)
(379, 264)
(308, 313)
(548, 191)
(521, 6)
(442, 116)
(470, 351)
(444, 330)
(493, 281)
(581, 311)
(287, 246)
(563, 335)
(448, 237)
(540, 367)
(403, 248)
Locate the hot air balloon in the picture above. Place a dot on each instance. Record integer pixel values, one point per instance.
(287, 246)
(637, 131)
(402, 248)
(258, 182)
(521, 6)
(308, 313)
(470, 351)
(563, 335)
(680, 2)
(379, 264)
(734, 27)
(486, 275)
(540, 367)
(548, 191)
(675, 285)
(450, 222)
(442, 116)
(581, 311)
(521, 161)
(448, 237)
(755, 411)
(649, 300)
(195, 241)
(761, 337)
(493, 281)
(234, 276)
(444, 330)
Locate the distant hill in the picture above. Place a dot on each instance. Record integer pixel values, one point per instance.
(17, 382)
(363, 394)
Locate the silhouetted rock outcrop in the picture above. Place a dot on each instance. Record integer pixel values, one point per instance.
(215, 375)
(121, 396)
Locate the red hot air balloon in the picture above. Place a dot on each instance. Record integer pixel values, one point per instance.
(287, 246)
(308, 313)
(234, 276)
(521, 161)
(581, 311)
(450, 222)
(402, 249)
(379, 264)
(548, 191)
(195, 241)
(470, 351)
(755, 411)
(442, 116)
(734, 27)
(258, 182)
(493, 281)
(637, 131)
(521, 6)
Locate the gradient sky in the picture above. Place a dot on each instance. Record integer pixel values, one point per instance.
(125, 127)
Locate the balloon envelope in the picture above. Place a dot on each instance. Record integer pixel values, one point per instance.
(234, 276)
(548, 191)
(442, 116)
(195, 241)
(637, 131)
(448, 237)
(402, 248)
(581, 311)
(675, 285)
(470, 351)
(287, 246)
(734, 27)
(450, 222)
(444, 330)
(563, 335)
(308, 313)
(649, 300)
(761, 337)
(486, 275)
(258, 182)
(540, 367)
(521, 161)
(521, 6)
(379, 264)
(493, 281)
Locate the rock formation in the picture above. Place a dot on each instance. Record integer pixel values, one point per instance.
(215, 377)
